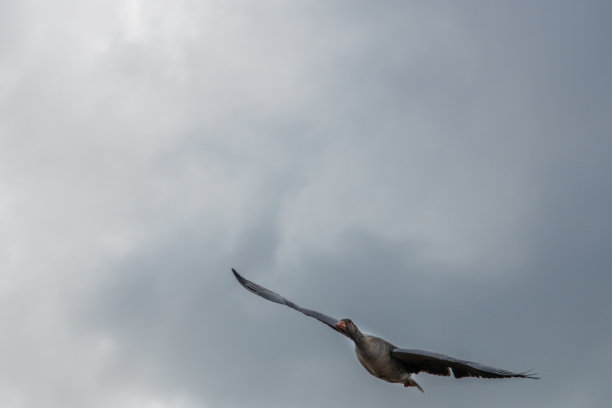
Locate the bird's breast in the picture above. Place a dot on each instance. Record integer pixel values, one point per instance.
(375, 357)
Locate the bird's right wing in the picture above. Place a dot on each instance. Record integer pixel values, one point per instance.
(276, 298)
(440, 364)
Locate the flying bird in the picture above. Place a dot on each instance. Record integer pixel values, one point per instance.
(385, 360)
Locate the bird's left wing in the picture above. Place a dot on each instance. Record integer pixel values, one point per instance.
(440, 364)
(275, 297)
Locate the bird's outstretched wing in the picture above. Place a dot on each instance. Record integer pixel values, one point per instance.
(439, 364)
(275, 297)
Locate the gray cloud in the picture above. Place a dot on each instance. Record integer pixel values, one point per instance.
(438, 173)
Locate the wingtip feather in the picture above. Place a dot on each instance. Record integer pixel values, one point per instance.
(530, 374)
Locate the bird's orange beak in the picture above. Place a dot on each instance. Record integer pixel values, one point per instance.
(340, 325)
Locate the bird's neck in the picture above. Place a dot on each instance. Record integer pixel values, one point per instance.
(357, 337)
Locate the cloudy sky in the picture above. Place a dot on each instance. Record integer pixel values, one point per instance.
(439, 172)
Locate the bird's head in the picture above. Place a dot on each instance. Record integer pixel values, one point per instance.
(347, 327)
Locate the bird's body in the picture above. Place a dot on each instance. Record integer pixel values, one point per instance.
(383, 359)
(375, 355)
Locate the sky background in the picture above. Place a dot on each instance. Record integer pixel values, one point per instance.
(438, 171)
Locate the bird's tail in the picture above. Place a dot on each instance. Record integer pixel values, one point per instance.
(411, 383)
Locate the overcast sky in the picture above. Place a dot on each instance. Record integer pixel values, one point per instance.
(440, 172)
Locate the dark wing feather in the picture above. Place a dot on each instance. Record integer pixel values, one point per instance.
(439, 364)
(276, 298)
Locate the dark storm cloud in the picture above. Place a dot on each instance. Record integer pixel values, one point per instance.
(438, 173)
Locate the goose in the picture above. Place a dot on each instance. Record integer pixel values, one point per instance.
(385, 360)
